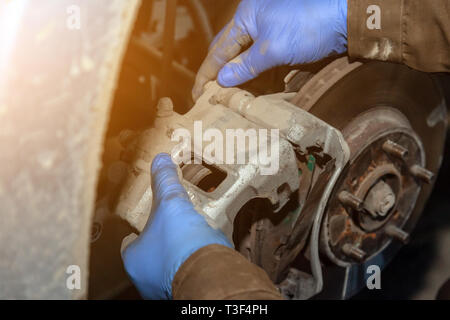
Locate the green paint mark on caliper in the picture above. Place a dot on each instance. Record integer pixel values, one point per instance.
(311, 163)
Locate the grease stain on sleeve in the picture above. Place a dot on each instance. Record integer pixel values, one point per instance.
(381, 50)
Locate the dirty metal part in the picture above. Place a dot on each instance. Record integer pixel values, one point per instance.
(296, 79)
(378, 189)
(350, 200)
(222, 109)
(417, 96)
(285, 243)
(311, 138)
(297, 285)
(318, 147)
(395, 149)
(54, 109)
(317, 194)
(322, 171)
(397, 233)
(221, 202)
(316, 190)
(331, 89)
(388, 190)
(421, 173)
(308, 134)
(164, 109)
(353, 252)
(321, 82)
(380, 199)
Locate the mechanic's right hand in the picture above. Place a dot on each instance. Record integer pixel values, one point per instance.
(280, 32)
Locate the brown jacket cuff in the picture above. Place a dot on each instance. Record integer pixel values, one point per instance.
(216, 272)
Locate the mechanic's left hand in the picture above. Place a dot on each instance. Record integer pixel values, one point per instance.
(276, 32)
(174, 232)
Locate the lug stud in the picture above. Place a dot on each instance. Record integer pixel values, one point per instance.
(353, 252)
(395, 149)
(422, 173)
(397, 233)
(348, 199)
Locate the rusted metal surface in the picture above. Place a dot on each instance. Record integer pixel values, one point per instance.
(375, 177)
(56, 86)
(373, 84)
(321, 82)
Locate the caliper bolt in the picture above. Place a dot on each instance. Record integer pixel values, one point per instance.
(422, 173)
(395, 149)
(353, 252)
(348, 199)
(397, 233)
(164, 108)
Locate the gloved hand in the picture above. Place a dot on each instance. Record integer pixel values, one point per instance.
(174, 232)
(283, 32)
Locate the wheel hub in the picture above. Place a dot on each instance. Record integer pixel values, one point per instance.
(377, 192)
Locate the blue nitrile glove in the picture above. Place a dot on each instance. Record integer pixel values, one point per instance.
(280, 32)
(174, 232)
